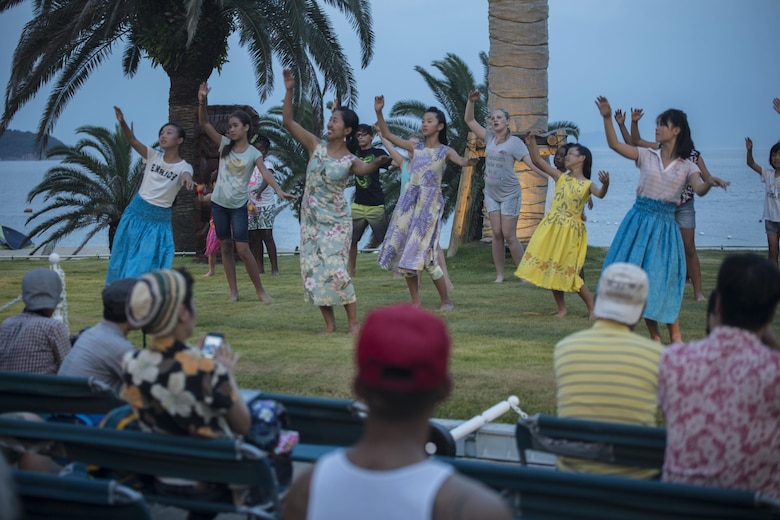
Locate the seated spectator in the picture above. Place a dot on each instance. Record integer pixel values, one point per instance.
(99, 350)
(33, 342)
(608, 372)
(171, 386)
(402, 375)
(721, 395)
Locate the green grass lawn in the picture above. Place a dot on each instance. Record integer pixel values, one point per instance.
(503, 334)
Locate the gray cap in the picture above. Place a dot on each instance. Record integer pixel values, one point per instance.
(115, 298)
(41, 289)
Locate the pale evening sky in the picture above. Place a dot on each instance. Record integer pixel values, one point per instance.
(715, 59)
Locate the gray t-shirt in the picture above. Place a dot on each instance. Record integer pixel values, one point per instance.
(501, 182)
(98, 353)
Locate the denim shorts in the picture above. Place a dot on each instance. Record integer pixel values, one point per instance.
(510, 208)
(685, 215)
(226, 219)
(772, 227)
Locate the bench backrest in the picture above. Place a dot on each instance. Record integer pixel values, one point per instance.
(546, 494)
(610, 443)
(52, 394)
(45, 496)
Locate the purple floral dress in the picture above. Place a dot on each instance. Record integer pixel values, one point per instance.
(410, 242)
(326, 230)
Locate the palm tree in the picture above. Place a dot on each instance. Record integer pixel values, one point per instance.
(67, 40)
(90, 188)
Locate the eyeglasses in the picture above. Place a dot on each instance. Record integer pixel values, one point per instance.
(361, 134)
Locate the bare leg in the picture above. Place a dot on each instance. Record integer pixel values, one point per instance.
(692, 262)
(772, 241)
(559, 301)
(330, 319)
(443, 265)
(256, 247)
(588, 299)
(353, 251)
(509, 230)
(270, 246)
(212, 265)
(352, 321)
(675, 336)
(229, 266)
(251, 269)
(497, 245)
(414, 290)
(441, 287)
(652, 328)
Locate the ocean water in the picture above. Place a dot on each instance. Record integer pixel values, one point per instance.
(729, 219)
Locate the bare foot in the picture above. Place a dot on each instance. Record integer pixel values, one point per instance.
(591, 316)
(209, 274)
(448, 306)
(701, 298)
(561, 313)
(499, 279)
(233, 298)
(354, 329)
(274, 273)
(264, 297)
(327, 330)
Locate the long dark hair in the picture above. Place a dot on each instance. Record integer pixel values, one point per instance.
(588, 164)
(443, 120)
(775, 148)
(684, 143)
(245, 120)
(350, 119)
(178, 128)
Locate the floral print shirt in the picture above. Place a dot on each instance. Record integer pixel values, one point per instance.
(174, 389)
(721, 399)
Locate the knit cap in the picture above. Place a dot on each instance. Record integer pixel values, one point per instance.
(154, 301)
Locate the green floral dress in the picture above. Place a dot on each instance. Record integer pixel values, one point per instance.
(326, 230)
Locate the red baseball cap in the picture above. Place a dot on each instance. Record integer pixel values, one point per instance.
(402, 348)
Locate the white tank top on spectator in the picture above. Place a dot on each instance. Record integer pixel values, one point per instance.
(339, 489)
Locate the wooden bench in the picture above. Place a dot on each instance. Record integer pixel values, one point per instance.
(609, 443)
(43, 497)
(221, 461)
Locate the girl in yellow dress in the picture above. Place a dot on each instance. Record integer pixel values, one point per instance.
(556, 252)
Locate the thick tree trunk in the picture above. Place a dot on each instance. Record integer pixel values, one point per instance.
(517, 82)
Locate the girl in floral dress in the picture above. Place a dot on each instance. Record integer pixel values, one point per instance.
(556, 252)
(411, 239)
(326, 225)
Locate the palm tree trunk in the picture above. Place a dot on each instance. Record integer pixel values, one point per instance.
(517, 82)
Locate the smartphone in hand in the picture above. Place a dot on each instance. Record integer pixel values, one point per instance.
(211, 343)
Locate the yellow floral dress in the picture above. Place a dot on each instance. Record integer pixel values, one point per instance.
(556, 253)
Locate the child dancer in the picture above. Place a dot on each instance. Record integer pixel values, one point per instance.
(556, 253)
(415, 227)
(262, 211)
(144, 238)
(326, 226)
(648, 235)
(228, 202)
(771, 179)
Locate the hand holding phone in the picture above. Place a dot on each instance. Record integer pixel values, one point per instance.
(212, 343)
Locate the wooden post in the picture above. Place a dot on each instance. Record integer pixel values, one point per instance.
(462, 214)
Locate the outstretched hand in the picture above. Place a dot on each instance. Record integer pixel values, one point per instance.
(289, 80)
(203, 92)
(636, 114)
(719, 183)
(474, 95)
(119, 115)
(776, 104)
(225, 355)
(749, 144)
(620, 117)
(603, 178)
(379, 103)
(604, 108)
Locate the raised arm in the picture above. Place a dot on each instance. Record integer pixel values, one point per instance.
(601, 191)
(268, 177)
(626, 150)
(750, 161)
(636, 139)
(472, 123)
(203, 114)
(455, 158)
(379, 105)
(308, 140)
(137, 145)
(542, 166)
(620, 119)
(398, 159)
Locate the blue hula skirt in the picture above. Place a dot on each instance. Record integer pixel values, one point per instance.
(143, 241)
(650, 238)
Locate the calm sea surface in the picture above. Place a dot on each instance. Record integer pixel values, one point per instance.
(728, 219)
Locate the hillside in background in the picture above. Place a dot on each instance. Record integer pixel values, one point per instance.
(16, 145)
